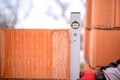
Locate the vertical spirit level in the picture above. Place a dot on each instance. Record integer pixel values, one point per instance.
(75, 46)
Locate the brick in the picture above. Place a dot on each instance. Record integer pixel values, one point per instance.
(36, 53)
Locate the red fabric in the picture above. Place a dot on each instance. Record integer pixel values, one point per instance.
(88, 75)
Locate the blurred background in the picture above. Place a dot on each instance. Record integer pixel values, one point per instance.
(41, 14)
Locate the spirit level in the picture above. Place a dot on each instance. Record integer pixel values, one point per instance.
(75, 46)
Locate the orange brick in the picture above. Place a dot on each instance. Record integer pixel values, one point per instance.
(1, 52)
(117, 13)
(88, 13)
(104, 47)
(86, 44)
(36, 53)
(103, 13)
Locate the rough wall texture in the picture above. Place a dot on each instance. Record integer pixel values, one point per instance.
(102, 29)
(27, 53)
